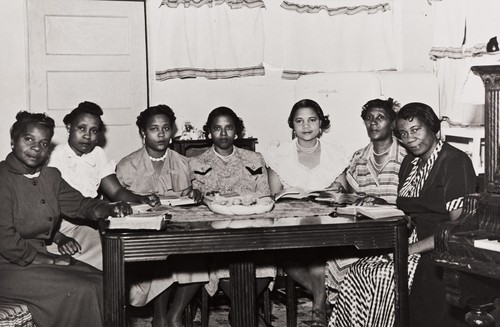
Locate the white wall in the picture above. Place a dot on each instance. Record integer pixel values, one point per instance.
(13, 67)
(262, 102)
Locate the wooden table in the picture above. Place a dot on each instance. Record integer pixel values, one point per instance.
(290, 225)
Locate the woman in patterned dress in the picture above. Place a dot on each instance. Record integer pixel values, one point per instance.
(433, 179)
(227, 169)
(373, 170)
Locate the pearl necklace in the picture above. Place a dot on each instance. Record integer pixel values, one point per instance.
(381, 154)
(162, 158)
(224, 158)
(307, 150)
(378, 166)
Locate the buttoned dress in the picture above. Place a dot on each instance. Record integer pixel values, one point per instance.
(84, 173)
(30, 210)
(136, 173)
(245, 172)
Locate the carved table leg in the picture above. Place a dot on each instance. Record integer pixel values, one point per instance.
(242, 281)
(401, 276)
(114, 283)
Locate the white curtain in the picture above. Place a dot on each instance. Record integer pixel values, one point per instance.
(462, 29)
(210, 38)
(335, 35)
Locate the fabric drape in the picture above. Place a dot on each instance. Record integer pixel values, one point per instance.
(210, 39)
(330, 36)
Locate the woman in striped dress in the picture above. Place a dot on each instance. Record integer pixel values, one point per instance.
(372, 170)
(433, 179)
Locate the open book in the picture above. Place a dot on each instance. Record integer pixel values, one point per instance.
(176, 201)
(155, 220)
(325, 195)
(337, 197)
(374, 212)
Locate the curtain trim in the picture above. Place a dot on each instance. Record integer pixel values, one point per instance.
(458, 53)
(295, 74)
(233, 4)
(311, 9)
(163, 75)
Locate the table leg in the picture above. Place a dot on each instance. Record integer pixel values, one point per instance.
(114, 283)
(242, 281)
(401, 276)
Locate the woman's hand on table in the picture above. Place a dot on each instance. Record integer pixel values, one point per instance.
(337, 187)
(196, 195)
(151, 199)
(369, 200)
(120, 209)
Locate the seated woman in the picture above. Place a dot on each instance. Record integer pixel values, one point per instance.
(85, 167)
(227, 169)
(433, 179)
(58, 290)
(309, 164)
(372, 170)
(155, 168)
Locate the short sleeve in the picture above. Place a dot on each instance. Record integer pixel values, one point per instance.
(107, 167)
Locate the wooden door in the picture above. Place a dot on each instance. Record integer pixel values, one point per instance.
(89, 51)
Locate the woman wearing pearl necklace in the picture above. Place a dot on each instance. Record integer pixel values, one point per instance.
(372, 170)
(156, 169)
(308, 164)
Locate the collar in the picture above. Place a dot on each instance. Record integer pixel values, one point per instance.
(433, 156)
(16, 166)
(88, 158)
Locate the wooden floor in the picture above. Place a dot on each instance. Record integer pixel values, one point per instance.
(142, 317)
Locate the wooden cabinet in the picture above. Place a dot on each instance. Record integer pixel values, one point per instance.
(192, 148)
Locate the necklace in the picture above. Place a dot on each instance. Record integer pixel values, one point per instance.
(381, 154)
(307, 150)
(223, 158)
(162, 158)
(379, 166)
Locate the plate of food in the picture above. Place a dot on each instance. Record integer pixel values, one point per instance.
(248, 204)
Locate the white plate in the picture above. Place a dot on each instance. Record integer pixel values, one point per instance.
(264, 205)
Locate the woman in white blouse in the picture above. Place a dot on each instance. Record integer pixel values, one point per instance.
(308, 164)
(84, 166)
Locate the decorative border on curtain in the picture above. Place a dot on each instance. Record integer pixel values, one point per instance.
(209, 73)
(458, 53)
(295, 74)
(233, 4)
(313, 9)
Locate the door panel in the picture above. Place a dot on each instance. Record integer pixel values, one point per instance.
(89, 51)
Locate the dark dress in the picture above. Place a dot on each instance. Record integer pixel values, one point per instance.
(30, 210)
(451, 177)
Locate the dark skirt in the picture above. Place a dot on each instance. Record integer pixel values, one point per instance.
(55, 295)
(428, 306)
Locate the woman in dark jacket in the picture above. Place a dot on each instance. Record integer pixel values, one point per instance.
(58, 290)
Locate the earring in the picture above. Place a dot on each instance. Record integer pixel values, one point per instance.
(209, 136)
(143, 139)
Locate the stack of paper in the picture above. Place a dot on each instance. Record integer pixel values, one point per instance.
(155, 220)
(374, 212)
